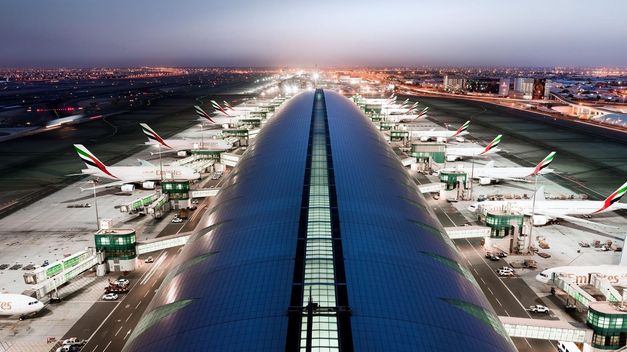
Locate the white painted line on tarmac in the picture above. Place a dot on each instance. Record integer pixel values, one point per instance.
(107, 346)
(501, 281)
(103, 322)
(129, 317)
(140, 302)
(499, 302)
(117, 332)
(95, 348)
(154, 268)
(127, 333)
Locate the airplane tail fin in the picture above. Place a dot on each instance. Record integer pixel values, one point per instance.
(462, 129)
(492, 144)
(201, 113)
(423, 112)
(614, 197)
(90, 160)
(412, 108)
(227, 105)
(217, 107)
(153, 136)
(543, 164)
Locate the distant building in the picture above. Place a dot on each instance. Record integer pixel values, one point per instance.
(452, 83)
(504, 87)
(482, 85)
(532, 88)
(496, 86)
(523, 87)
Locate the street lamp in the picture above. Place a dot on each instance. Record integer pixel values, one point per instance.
(533, 209)
(93, 182)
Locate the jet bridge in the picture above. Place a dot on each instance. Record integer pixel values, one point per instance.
(46, 280)
(546, 329)
(159, 243)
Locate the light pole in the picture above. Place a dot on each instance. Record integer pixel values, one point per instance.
(472, 175)
(93, 182)
(160, 163)
(533, 209)
(202, 136)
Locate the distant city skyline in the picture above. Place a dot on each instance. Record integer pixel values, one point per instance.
(537, 33)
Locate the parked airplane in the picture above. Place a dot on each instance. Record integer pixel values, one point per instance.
(488, 173)
(547, 210)
(127, 176)
(396, 109)
(217, 107)
(441, 136)
(175, 145)
(214, 121)
(15, 304)
(454, 153)
(581, 274)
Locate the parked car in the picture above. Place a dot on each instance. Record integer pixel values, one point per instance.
(538, 308)
(110, 296)
(177, 220)
(74, 341)
(149, 260)
(69, 348)
(495, 258)
(505, 272)
(502, 254)
(122, 282)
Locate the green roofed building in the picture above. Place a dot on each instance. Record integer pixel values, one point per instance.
(119, 248)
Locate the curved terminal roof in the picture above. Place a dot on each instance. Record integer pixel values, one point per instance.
(230, 288)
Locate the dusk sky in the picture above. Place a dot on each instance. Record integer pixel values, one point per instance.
(261, 33)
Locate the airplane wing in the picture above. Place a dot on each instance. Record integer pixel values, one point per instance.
(511, 179)
(164, 152)
(104, 186)
(143, 162)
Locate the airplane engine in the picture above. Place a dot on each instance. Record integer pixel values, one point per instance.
(452, 157)
(485, 181)
(460, 139)
(424, 139)
(540, 220)
(148, 185)
(128, 187)
(441, 140)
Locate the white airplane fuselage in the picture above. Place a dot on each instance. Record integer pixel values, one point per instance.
(134, 174)
(456, 153)
(615, 274)
(553, 207)
(500, 173)
(183, 144)
(15, 304)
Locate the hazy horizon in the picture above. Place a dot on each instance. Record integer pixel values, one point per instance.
(455, 33)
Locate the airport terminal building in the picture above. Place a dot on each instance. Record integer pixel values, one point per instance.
(319, 240)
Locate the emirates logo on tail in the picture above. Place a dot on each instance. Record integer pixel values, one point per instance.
(492, 144)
